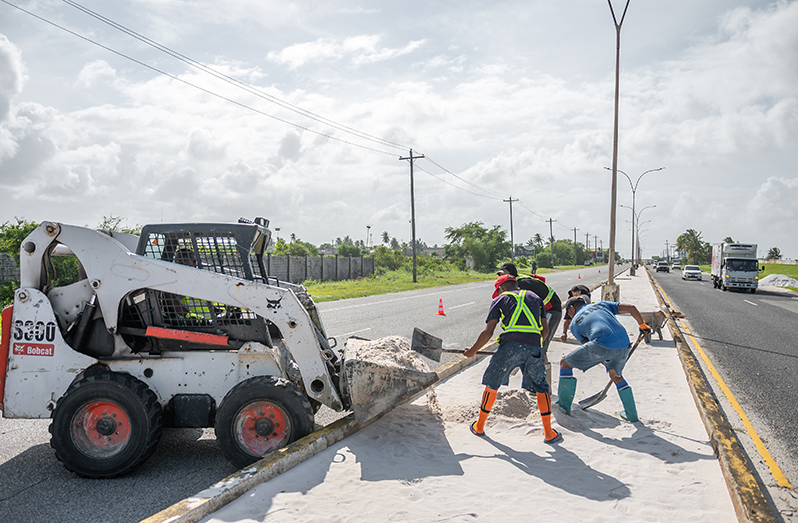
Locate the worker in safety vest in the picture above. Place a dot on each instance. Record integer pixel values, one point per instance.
(520, 345)
(551, 302)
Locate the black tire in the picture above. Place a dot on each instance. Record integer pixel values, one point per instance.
(106, 425)
(753, 291)
(259, 416)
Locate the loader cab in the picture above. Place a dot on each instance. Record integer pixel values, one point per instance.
(234, 249)
(231, 249)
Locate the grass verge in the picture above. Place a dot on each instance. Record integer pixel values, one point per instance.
(399, 281)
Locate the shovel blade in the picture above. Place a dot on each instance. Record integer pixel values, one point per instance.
(426, 344)
(595, 399)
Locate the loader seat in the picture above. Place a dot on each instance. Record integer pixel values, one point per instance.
(151, 308)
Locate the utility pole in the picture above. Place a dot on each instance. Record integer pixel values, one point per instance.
(551, 240)
(667, 252)
(512, 242)
(587, 241)
(612, 292)
(575, 261)
(412, 209)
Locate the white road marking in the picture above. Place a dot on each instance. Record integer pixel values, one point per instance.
(463, 305)
(752, 303)
(350, 333)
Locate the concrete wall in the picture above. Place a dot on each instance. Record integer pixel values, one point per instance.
(8, 269)
(296, 269)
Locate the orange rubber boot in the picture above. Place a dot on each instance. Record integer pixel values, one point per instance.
(488, 398)
(544, 405)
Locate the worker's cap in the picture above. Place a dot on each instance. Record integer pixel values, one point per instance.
(581, 288)
(501, 280)
(508, 268)
(538, 277)
(576, 301)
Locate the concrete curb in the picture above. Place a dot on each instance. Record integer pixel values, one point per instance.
(191, 510)
(749, 501)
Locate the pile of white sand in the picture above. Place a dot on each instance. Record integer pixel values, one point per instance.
(778, 280)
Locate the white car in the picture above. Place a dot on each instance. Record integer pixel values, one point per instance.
(677, 266)
(691, 272)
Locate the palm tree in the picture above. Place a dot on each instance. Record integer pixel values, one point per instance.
(385, 237)
(691, 243)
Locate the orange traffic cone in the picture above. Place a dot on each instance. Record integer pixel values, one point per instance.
(440, 308)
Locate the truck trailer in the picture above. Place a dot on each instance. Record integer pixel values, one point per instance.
(735, 266)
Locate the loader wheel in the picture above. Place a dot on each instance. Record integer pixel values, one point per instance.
(106, 425)
(259, 416)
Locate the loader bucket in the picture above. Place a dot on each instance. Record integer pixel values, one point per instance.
(377, 375)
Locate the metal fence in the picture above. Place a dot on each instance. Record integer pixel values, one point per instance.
(296, 269)
(8, 269)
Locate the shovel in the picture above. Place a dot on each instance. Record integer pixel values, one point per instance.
(431, 347)
(597, 398)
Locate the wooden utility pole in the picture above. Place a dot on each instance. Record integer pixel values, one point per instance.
(551, 240)
(575, 261)
(512, 242)
(412, 208)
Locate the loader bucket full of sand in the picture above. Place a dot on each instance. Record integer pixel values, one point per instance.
(379, 374)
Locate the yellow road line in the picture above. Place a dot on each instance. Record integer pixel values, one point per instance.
(775, 470)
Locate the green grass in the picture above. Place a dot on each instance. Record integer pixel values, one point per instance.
(399, 281)
(779, 268)
(394, 281)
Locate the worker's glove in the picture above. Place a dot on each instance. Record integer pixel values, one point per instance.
(644, 329)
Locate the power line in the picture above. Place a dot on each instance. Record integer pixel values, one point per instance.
(250, 89)
(204, 90)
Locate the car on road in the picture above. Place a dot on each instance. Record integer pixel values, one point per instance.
(692, 272)
(676, 266)
(663, 267)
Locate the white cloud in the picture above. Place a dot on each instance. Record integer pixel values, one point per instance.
(359, 50)
(95, 71)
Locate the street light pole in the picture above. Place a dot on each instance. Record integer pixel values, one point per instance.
(612, 289)
(633, 186)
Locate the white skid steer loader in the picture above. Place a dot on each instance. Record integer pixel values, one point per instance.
(178, 327)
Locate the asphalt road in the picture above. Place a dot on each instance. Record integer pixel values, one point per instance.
(35, 487)
(750, 339)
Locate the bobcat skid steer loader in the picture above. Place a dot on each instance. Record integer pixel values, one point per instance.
(178, 327)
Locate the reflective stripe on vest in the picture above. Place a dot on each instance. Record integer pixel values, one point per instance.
(548, 297)
(512, 325)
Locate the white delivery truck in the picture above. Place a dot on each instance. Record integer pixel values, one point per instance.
(735, 266)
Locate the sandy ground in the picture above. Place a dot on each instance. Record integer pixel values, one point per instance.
(421, 462)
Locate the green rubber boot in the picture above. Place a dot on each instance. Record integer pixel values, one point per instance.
(629, 412)
(566, 390)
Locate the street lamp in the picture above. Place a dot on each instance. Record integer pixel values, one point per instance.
(368, 229)
(633, 186)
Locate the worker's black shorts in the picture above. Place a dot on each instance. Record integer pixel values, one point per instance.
(510, 355)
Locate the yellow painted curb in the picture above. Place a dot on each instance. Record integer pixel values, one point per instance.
(193, 509)
(749, 501)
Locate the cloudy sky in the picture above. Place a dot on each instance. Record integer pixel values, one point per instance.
(299, 112)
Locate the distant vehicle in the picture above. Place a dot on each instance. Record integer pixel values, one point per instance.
(692, 272)
(677, 266)
(663, 267)
(588, 262)
(735, 266)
